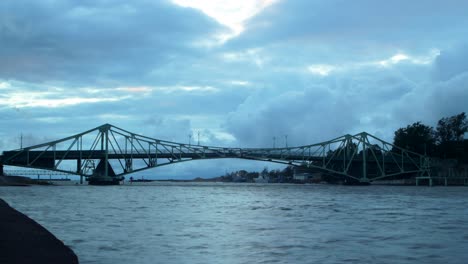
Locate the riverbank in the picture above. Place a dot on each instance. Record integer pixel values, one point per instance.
(20, 181)
(24, 241)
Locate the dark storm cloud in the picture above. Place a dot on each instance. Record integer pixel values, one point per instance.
(310, 109)
(444, 93)
(96, 41)
(449, 97)
(372, 98)
(450, 71)
(358, 24)
(451, 63)
(380, 56)
(304, 116)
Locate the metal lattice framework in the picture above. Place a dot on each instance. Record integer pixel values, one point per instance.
(109, 152)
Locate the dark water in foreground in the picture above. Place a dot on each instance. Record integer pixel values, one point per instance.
(252, 223)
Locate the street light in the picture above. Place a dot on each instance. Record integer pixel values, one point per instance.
(274, 142)
(286, 140)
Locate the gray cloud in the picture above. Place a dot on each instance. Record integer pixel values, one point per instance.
(451, 63)
(360, 25)
(449, 97)
(95, 42)
(314, 111)
(375, 99)
(353, 37)
(304, 116)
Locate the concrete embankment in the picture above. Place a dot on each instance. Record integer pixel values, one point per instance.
(22, 241)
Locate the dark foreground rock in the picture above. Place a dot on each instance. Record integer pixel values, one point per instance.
(22, 240)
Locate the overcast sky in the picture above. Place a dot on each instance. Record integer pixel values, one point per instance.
(238, 72)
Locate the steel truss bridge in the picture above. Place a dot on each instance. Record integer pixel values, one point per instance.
(105, 154)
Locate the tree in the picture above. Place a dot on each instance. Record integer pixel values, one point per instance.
(449, 134)
(451, 128)
(288, 172)
(416, 137)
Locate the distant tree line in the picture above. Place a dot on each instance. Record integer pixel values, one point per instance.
(284, 175)
(445, 141)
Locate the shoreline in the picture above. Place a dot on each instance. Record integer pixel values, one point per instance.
(23, 240)
(20, 181)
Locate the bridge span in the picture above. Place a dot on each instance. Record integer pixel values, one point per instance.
(105, 154)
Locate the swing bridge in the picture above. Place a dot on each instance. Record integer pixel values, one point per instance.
(105, 154)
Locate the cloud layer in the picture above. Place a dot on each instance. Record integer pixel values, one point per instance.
(95, 42)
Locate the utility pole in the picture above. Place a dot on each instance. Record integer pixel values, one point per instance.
(21, 141)
(190, 139)
(198, 138)
(274, 142)
(286, 140)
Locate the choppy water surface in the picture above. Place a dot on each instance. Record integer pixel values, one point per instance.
(251, 223)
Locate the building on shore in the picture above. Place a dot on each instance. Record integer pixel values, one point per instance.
(306, 175)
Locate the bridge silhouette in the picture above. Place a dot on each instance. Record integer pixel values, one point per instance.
(105, 154)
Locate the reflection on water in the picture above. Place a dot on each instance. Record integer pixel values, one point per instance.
(252, 223)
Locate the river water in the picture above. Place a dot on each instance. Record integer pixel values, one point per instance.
(252, 223)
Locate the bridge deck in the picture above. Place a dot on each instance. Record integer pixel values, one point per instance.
(19, 156)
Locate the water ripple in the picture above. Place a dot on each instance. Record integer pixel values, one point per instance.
(242, 223)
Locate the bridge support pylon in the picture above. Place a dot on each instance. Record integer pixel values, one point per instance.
(364, 181)
(104, 175)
